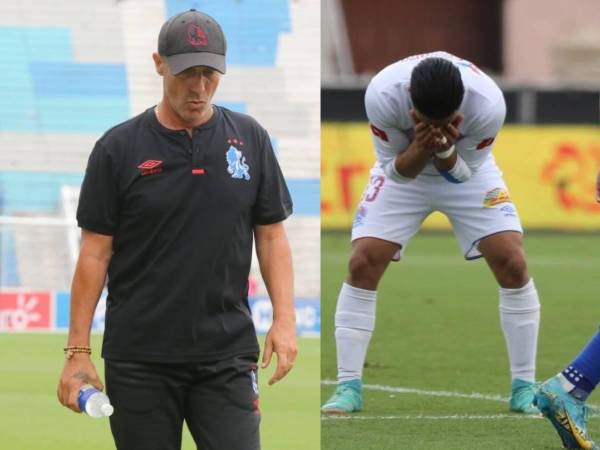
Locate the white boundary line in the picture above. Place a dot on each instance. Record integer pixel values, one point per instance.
(428, 417)
(403, 390)
(594, 409)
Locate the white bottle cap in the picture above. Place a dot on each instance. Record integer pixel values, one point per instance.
(107, 409)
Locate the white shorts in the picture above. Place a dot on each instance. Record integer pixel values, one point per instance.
(476, 208)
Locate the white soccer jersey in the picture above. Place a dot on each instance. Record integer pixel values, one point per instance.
(388, 102)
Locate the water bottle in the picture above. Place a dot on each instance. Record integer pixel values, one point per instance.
(93, 402)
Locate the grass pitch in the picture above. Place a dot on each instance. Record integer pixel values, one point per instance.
(32, 419)
(438, 335)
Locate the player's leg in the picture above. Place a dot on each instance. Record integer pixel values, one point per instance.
(355, 320)
(355, 311)
(519, 312)
(222, 406)
(583, 374)
(149, 404)
(562, 398)
(486, 224)
(388, 216)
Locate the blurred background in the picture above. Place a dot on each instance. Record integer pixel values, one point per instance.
(437, 363)
(70, 70)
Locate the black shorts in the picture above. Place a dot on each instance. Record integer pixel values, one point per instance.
(218, 401)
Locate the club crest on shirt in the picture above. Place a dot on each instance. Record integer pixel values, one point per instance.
(236, 164)
(495, 197)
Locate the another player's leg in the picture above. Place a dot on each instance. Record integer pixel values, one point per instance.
(562, 398)
(355, 320)
(519, 313)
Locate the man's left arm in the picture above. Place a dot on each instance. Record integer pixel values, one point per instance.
(275, 260)
(475, 147)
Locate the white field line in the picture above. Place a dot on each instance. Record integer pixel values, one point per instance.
(429, 417)
(403, 390)
(594, 409)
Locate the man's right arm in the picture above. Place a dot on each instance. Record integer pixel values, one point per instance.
(411, 162)
(88, 281)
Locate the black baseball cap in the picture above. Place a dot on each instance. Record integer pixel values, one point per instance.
(192, 38)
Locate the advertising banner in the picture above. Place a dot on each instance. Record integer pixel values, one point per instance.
(48, 311)
(550, 172)
(25, 311)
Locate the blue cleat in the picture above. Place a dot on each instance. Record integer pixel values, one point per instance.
(521, 397)
(347, 398)
(567, 414)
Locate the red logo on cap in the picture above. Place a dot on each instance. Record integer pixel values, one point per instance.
(196, 35)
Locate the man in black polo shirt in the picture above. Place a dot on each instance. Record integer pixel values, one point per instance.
(169, 206)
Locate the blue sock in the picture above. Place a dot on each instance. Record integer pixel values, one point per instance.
(584, 372)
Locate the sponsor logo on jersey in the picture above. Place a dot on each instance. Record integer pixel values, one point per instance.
(495, 197)
(485, 143)
(379, 133)
(509, 210)
(236, 161)
(150, 166)
(359, 218)
(196, 35)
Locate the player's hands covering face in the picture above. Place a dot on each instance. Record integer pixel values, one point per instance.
(450, 131)
(432, 138)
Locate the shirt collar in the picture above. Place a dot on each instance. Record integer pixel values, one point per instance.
(151, 117)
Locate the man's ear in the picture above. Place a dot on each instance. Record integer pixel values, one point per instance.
(159, 64)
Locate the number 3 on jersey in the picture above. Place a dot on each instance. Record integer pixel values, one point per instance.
(373, 188)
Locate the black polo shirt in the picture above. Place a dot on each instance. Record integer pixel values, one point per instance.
(181, 211)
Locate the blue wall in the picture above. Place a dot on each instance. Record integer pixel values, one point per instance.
(45, 91)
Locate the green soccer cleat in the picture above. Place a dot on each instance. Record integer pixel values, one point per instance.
(521, 397)
(346, 399)
(567, 414)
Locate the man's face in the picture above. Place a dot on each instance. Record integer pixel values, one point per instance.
(190, 92)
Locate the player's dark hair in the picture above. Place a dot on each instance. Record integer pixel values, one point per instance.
(436, 88)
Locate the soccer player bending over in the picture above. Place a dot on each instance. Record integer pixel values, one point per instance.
(434, 118)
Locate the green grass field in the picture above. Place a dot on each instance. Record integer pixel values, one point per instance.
(32, 419)
(438, 330)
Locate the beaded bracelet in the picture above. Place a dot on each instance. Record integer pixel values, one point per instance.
(72, 349)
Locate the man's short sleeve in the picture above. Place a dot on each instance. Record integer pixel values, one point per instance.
(99, 200)
(273, 202)
(387, 138)
(476, 146)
